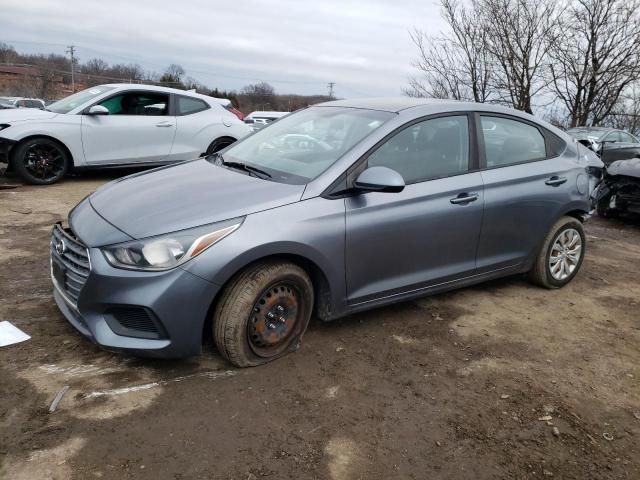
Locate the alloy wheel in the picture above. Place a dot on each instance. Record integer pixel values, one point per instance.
(44, 161)
(565, 254)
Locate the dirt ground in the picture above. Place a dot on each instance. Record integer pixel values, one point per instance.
(502, 380)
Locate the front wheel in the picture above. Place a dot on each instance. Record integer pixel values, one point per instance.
(561, 255)
(41, 161)
(263, 313)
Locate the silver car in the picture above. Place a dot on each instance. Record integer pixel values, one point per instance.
(338, 208)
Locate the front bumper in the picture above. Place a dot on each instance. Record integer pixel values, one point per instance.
(5, 148)
(177, 301)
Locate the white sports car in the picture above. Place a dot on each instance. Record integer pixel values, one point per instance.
(115, 125)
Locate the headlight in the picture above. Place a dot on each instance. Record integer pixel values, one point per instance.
(4, 125)
(168, 251)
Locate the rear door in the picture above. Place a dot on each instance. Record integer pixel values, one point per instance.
(428, 233)
(138, 129)
(527, 182)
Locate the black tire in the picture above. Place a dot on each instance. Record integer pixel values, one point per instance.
(242, 329)
(541, 273)
(41, 161)
(218, 144)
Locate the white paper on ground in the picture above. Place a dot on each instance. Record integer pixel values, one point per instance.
(9, 334)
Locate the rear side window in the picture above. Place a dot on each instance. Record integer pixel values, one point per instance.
(430, 149)
(626, 138)
(507, 141)
(187, 105)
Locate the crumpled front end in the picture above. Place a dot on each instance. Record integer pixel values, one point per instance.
(619, 191)
(5, 149)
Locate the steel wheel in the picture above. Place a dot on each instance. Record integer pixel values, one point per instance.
(274, 319)
(263, 312)
(565, 254)
(44, 161)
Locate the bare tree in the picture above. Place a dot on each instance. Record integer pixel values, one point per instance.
(8, 54)
(95, 66)
(597, 58)
(516, 34)
(456, 65)
(258, 96)
(625, 115)
(173, 76)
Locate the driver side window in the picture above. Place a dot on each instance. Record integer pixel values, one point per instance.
(147, 104)
(430, 149)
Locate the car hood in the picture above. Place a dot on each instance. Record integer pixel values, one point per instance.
(22, 114)
(187, 195)
(628, 168)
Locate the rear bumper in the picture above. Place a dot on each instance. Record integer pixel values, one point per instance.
(177, 301)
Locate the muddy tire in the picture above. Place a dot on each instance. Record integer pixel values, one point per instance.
(41, 161)
(219, 144)
(263, 313)
(561, 255)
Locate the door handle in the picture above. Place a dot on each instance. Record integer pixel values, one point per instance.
(464, 198)
(555, 181)
(164, 124)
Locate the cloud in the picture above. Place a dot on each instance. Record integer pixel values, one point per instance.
(363, 46)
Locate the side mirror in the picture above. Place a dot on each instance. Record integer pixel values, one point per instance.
(98, 110)
(380, 179)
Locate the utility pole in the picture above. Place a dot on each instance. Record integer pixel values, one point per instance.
(71, 50)
(330, 85)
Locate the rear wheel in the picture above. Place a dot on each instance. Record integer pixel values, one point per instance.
(218, 144)
(263, 313)
(41, 161)
(561, 255)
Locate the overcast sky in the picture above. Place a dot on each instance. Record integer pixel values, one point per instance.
(297, 46)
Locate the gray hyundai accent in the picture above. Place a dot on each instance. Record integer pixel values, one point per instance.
(337, 208)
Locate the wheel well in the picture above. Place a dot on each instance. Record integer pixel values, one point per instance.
(32, 137)
(578, 214)
(226, 137)
(321, 287)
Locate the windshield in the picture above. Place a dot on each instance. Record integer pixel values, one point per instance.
(77, 99)
(299, 147)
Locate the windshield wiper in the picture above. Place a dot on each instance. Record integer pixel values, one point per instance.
(245, 167)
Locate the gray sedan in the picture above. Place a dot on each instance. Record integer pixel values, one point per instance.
(338, 208)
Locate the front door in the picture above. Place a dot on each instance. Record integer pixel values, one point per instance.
(138, 129)
(427, 234)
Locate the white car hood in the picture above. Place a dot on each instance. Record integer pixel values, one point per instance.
(23, 114)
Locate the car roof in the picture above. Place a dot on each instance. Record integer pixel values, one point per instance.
(593, 129)
(433, 106)
(398, 104)
(157, 88)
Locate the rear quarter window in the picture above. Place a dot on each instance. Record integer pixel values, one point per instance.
(189, 106)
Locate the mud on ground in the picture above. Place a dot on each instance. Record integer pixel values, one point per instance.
(469, 384)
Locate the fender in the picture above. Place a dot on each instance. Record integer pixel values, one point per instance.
(61, 128)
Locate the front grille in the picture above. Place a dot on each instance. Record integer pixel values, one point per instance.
(74, 257)
(133, 321)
